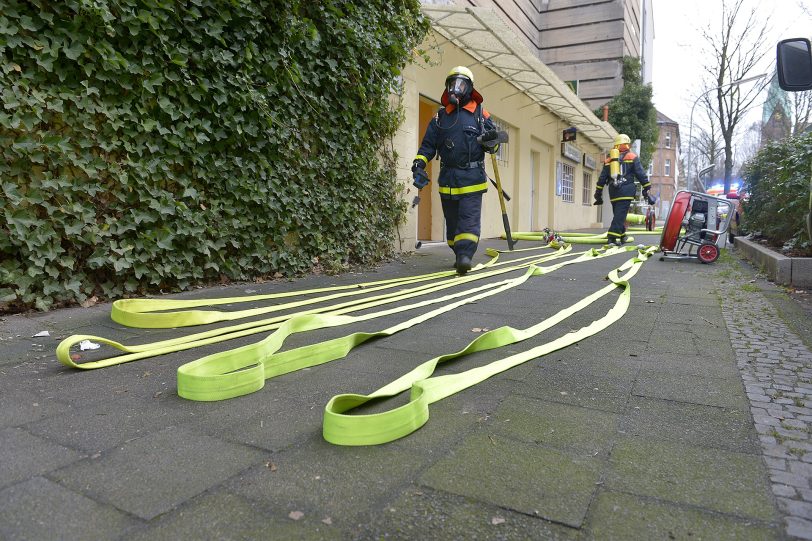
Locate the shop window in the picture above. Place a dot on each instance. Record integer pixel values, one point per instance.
(566, 181)
(586, 194)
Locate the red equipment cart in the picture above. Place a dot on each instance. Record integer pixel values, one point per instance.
(695, 220)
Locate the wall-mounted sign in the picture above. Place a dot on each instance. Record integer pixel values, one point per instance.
(571, 152)
(590, 162)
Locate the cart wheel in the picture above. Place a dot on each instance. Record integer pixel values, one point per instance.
(708, 252)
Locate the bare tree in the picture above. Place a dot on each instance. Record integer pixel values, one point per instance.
(800, 113)
(748, 146)
(708, 142)
(735, 48)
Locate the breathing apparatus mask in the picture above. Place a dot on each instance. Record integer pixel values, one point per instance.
(459, 89)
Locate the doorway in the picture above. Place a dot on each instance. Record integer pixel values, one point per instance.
(424, 210)
(535, 163)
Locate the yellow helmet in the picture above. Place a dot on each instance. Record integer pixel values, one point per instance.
(622, 139)
(461, 71)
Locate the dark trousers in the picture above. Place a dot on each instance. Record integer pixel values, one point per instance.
(462, 223)
(619, 211)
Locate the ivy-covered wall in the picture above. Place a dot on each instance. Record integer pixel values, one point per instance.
(152, 145)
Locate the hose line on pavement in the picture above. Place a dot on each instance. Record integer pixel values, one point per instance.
(142, 351)
(244, 370)
(342, 428)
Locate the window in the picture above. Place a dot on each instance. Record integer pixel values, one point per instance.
(650, 168)
(567, 182)
(668, 139)
(586, 197)
(502, 153)
(668, 168)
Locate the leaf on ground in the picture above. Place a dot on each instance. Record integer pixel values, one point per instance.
(270, 465)
(327, 520)
(295, 515)
(497, 520)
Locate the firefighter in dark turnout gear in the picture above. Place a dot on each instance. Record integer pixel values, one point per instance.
(622, 190)
(452, 134)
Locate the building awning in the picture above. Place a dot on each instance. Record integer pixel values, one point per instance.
(482, 34)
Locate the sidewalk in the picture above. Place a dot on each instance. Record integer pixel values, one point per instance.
(687, 419)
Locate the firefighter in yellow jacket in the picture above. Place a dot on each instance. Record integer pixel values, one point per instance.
(620, 177)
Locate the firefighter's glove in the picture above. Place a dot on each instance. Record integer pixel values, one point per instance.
(489, 141)
(421, 178)
(598, 197)
(650, 199)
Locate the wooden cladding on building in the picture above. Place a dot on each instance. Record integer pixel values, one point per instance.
(580, 40)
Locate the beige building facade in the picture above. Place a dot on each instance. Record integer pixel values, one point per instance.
(550, 183)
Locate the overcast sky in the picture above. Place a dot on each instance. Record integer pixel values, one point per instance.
(677, 65)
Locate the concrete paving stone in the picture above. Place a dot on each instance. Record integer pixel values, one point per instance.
(585, 358)
(775, 463)
(40, 509)
(586, 390)
(460, 324)
(151, 475)
(81, 388)
(791, 479)
(18, 406)
(717, 348)
(18, 353)
(796, 508)
(677, 364)
(456, 417)
(712, 479)
(724, 393)
(692, 315)
(568, 428)
(423, 513)
(273, 418)
(775, 451)
(801, 468)
(618, 516)
(799, 527)
(632, 339)
(432, 347)
(706, 299)
(323, 335)
(658, 344)
(523, 299)
(321, 479)
(222, 516)
(104, 425)
(23, 455)
(522, 477)
(694, 424)
(380, 362)
(784, 490)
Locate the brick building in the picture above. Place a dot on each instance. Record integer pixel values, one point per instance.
(663, 171)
